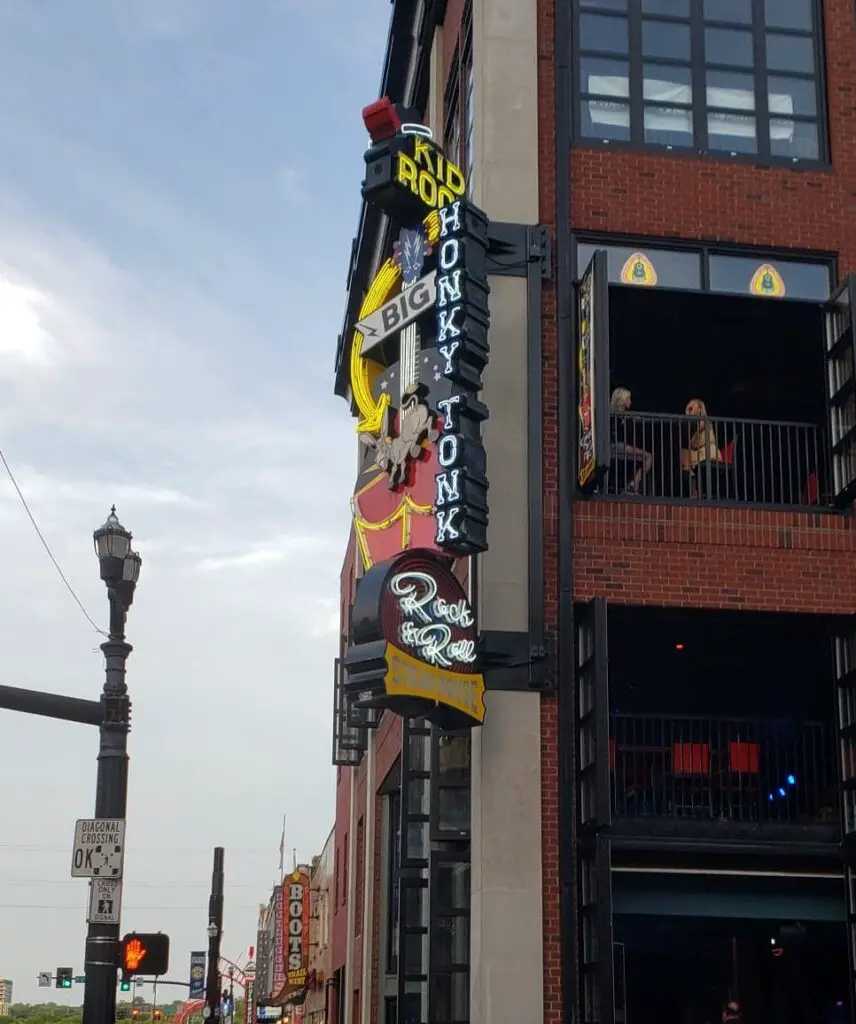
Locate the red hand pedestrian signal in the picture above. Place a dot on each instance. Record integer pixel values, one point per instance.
(145, 954)
(135, 953)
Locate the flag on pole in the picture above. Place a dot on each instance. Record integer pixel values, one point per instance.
(281, 850)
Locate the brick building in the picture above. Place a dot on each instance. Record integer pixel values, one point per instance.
(659, 807)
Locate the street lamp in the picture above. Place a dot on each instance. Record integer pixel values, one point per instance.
(120, 570)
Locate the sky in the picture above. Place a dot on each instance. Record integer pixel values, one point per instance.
(179, 186)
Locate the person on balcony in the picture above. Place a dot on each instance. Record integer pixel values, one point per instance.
(622, 452)
(703, 446)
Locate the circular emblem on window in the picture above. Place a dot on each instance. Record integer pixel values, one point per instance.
(767, 282)
(639, 270)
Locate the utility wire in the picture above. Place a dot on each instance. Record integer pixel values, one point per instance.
(76, 908)
(47, 548)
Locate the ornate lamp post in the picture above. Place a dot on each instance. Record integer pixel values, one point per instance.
(120, 570)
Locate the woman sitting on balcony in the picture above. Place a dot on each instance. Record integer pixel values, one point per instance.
(622, 452)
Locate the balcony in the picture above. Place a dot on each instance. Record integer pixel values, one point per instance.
(759, 773)
(717, 461)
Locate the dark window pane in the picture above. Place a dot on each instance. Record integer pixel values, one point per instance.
(417, 840)
(732, 133)
(808, 281)
(665, 39)
(729, 10)
(413, 903)
(675, 8)
(453, 886)
(605, 5)
(667, 83)
(792, 96)
(789, 53)
(453, 942)
(794, 138)
(788, 14)
(451, 996)
(731, 90)
(728, 46)
(415, 954)
(603, 119)
(668, 126)
(453, 811)
(600, 32)
(603, 77)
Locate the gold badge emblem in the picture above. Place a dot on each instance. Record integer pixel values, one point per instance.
(767, 282)
(639, 270)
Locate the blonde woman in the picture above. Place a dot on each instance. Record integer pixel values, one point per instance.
(703, 446)
(619, 404)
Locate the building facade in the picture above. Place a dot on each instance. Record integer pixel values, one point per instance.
(5, 996)
(652, 814)
(320, 935)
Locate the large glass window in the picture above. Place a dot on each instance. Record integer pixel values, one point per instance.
(714, 76)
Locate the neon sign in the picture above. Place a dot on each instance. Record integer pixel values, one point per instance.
(430, 620)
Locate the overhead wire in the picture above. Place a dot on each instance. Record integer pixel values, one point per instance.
(47, 547)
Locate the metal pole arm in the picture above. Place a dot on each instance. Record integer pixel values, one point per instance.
(51, 705)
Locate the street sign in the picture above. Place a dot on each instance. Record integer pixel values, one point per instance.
(105, 901)
(99, 848)
(44, 979)
(80, 979)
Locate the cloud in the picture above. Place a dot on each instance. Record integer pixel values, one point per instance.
(22, 333)
(277, 550)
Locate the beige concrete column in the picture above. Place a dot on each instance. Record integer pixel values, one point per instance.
(507, 927)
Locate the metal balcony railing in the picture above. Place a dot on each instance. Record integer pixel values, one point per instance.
(715, 460)
(726, 769)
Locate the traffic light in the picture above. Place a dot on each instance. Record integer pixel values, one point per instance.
(64, 977)
(124, 985)
(145, 954)
(135, 1013)
(157, 1014)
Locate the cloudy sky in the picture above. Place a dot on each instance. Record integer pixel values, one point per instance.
(179, 185)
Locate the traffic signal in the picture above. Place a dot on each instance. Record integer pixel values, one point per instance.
(64, 977)
(124, 985)
(135, 1013)
(145, 953)
(157, 1014)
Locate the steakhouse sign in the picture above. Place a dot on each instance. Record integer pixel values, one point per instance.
(296, 907)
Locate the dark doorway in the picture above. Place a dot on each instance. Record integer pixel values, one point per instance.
(684, 970)
(687, 661)
(744, 357)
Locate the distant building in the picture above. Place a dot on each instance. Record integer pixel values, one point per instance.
(5, 996)
(320, 934)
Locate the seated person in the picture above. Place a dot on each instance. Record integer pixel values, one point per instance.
(620, 449)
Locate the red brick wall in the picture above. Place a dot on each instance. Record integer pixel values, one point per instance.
(550, 398)
(716, 558)
(637, 553)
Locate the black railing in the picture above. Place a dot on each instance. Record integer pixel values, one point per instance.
(716, 460)
(723, 769)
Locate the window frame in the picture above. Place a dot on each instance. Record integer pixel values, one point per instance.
(459, 100)
(698, 67)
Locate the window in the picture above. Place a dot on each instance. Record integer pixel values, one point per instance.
(712, 76)
(336, 883)
(358, 899)
(345, 870)
(459, 102)
(393, 860)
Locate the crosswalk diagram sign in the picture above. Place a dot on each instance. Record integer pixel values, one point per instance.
(99, 848)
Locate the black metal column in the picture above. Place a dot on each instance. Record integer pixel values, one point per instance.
(215, 933)
(111, 798)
